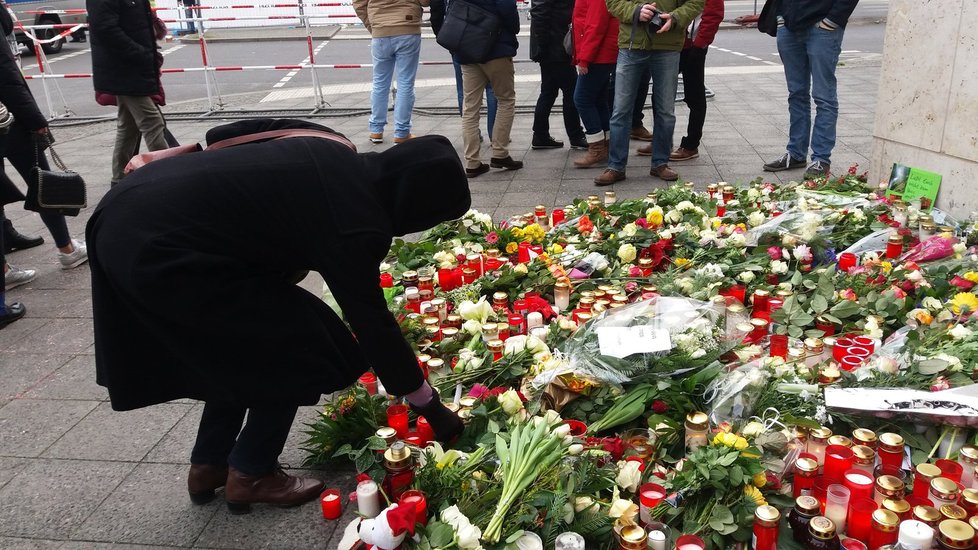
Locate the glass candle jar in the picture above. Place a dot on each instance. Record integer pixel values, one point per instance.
(915, 534)
(697, 428)
(649, 496)
(968, 459)
(760, 300)
(837, 505)
(927, 230)
(859, 519)
(399, 464)
(859, 482)
(806, 508)
(950, 469)
(888, 487)
(862, 436)
(497, 347)
(943, 491)
(969, 501)
(863, 458)
(953, 534)
(822, 534)
(569, 540)
(561, 296)
(898, 506)
(923, 474)
(690, 542)
(632, 537)
(838, 460)
(817, 441)
(610, 198)
(804, 479)
(766, 520)
(884, 529)
(928, 514)
(890, 449)
(894, 246)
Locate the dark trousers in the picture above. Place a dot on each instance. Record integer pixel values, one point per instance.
(253, 450)
(554, 78)
(692, 65)
(18, 147)
(594, 96)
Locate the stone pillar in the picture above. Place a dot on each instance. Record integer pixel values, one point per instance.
(927, 110)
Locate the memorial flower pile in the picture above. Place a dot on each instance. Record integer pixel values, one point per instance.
(658, 367)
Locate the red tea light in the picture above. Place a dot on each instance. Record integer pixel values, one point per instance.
(852, 544)
(820, 490)
(841, 348)
(760, 300)
(690, 542)
(577, 428)
(779, 345)
(397, 418)
(826, 327)
(557, 216)
(847, 261)
(417, 500)
(738, 292)
(850, 362)
(950, 469)
(640, 460)
(332, 503)
(838, 461)
(386, 280)
(865, 342)
(523, 252)
(414, 438)
(859, 483)
(774, 304)
(859, 518)
(425, 430)
(859, 351)
(369, 382)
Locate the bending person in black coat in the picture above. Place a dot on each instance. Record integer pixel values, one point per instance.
(194, 299)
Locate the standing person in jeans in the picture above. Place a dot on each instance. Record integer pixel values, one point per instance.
(595, 52)
(692, 65)
(497, 68)
(809, 42)
(125, 63)
(640, 47)
(395, 28)
(548, 26)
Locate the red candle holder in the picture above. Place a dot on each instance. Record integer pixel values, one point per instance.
(779, 345)
(887, 469)
(847, 261)
(386, 280)
(820, 489)
(760, 301)
(446, 279)
(557, 216)
(397, 418)
(577, 428)
(774, 304)
(523, 252)
(838, 460)
(850, 362)
(859, 483)
(827, 328)
(690, 542)
(914, 500)
(859, 518)
(739, 292)
(636, 458)
(841, 348)
(414, 438)
(950, 469)
(425, 430)
(865, 342)
(332, 503)
(369, 382)
(416, 499)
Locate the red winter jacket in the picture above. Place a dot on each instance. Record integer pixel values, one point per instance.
(595, 33)
(706, 25)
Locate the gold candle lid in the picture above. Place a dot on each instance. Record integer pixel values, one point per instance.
(838, 439)
(928, 226)
(768, 516)
(969, 454)
(970, 496)
(728, 189)
(896, 238)
(807, 503)
(928, 471)
(430, 322)
(633, 534)
(943, 487)
(388, 434)
(821, 528)
(468, 402)
(435, 364)
(736, 308)
(953, 511)
(891, 442)
(927, 514)
(697, 421)
(862, 436)
(955, 533)
(409, 276)
(561, 285)
(495, 345)
(898, 506)
(973, 522)
(813, 344)
(439, 302)
(889, 484)
(864, 454)
(584, 317)
(490, 328)
(449, 332)
(807, 465)
(500, 297)
(886, 520)
(453, 320)
(821, 433)
(398, 455)
(540, 208)
(493, 253)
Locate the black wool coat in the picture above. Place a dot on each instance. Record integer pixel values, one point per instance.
(124, 50)
(192, 261)
(549, 21)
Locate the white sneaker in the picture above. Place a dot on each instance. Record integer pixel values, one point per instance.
(16, 277)
(75, 258)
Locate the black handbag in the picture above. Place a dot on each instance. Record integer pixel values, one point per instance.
(469, 31)
(60, 190)
(767, 22)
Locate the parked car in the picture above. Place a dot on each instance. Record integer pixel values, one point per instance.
(22, 10)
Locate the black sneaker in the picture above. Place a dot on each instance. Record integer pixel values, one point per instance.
(784, 163)
(476, 172)
(507, 163)
(546, 142)
(579, 143)
(817, 169)
(13, 312)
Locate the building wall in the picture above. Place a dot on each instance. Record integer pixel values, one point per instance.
(927, 111)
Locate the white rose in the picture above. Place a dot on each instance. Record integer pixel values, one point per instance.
(753, 194)
(737, 240)
(515, 344)
(510, 402)
(552, 417)
(915, 276)
(627, 253)
(443, 257)
(665, 234)
(468, 537)
(536, 346)
(622, 508)
(567, 324)
(575, 449)
(932, 303)
(778, 267)
(685, 205)
(746, 276)
(459, 250)
(629, 230)
(479, 311)
(674, 216)
(521, 269)
(959, 332)
(755, 218)
(583, 503)
(753, 429)
(384, 266)
(698, 353)
(452, 515)
(628, 476)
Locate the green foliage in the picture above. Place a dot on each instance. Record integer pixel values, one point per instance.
(348, 418)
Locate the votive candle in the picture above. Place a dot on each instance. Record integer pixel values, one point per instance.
(915, 534)
(368, 499)
(859, 518)
(837, 505)
(416, 499)
(331, 503)
(860, 484)
(397, 418)
(838, 460)
(649, 496)
(690, 542)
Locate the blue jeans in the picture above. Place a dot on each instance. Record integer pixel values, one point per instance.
(810, 57)
(490, 97)
(632, 64)
(400, 52)
(591, 96)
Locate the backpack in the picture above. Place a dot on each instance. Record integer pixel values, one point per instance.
(469, 31)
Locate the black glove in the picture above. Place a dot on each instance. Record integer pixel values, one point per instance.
(446, 424)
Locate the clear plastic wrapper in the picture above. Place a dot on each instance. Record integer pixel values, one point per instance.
(874, 242)
(732, 394)
(804, 225)
(663, 336)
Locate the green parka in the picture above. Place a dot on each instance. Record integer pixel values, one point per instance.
(637, 38)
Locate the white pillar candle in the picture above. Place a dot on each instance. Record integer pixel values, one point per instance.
(533, 320)
(916, 535)
(368, 499)
(657, 540)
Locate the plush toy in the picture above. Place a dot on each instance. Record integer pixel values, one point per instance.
(389, 529)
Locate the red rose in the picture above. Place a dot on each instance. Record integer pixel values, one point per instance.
(659, 406)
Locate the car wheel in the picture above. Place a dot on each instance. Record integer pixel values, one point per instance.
(45, 34)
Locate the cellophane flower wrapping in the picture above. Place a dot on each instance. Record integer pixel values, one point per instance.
(658, 337)
(732, 394)
(803, 225)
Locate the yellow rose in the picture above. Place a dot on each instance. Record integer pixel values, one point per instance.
(654, 216)
(740, 443)
(511, 248)
(680, 262)
(971, 276)
(886, 267)
(521, 269)
(556, 248)
(760, 480)
(627, 253)
(517, 232)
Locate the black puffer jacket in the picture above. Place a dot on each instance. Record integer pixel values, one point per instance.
(802, 14)
(549, 20)
(124, 50)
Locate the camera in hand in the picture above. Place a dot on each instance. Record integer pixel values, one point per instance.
(656, 22)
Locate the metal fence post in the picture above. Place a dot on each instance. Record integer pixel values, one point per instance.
(317, 90)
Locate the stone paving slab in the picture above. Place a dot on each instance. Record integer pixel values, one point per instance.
(76, 475)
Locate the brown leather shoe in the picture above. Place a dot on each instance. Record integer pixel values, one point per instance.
(404, 139)
(276, 488)
(376, 138)
(640, 133)
(203, 480)
(597, 153)
(609, 177)
(664, 172)
(645, 150)
(683, 153)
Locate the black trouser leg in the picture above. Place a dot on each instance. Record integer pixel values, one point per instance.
(262, 439)
(218, 430)
(23, 157)
(692, 65)
(567, 81)
(549, 87)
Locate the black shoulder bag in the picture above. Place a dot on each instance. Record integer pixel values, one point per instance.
(469, 31)
(767, 22)
(61, 190)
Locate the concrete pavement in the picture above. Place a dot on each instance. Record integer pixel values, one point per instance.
(76, 475)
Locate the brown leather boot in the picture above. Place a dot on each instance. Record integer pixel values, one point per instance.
(276, 488)
(597, 153)
(609, 177)
(203, 480)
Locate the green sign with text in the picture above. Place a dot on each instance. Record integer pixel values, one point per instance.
(911, 184)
